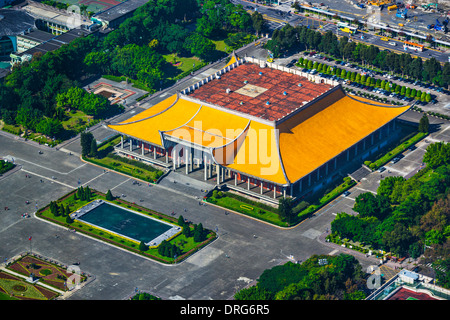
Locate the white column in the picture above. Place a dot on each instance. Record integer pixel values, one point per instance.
(131, 144)
(167, 156)
(248, 183)
(121, 142)
(274, 191)
(235, 179)
(217, 174)
(174, 159)
(142, 145)
(154, 152)
(206, 169)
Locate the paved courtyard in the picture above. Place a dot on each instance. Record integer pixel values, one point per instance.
(215, 272)
(243, 250)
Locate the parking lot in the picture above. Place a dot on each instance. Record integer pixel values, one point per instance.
(231, 262)
(440, 97)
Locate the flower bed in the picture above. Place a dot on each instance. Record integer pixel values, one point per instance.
(19, 289)
(54, 275)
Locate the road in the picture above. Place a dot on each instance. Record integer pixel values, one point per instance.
(231, 262)
(234, 260)
(277, 17)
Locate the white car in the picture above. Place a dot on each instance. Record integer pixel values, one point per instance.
(392, 43)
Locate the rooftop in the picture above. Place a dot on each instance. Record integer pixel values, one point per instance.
(120, 10)
(56, 41)
(14, 22)
(54, 15)
(259, 145)
(38, 36)
(265, 93)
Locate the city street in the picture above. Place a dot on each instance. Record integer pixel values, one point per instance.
(230, 263)
(215, 272)
(278, 16)
(245, 247)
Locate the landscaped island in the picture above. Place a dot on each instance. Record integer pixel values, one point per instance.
(176, 241)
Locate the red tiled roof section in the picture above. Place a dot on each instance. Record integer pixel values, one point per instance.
(275, 81)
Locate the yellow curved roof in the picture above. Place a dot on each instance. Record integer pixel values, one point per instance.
(211, 127)
(257, 155)
(302, 143)
(311, 138)
(153, 110)
(146, 125)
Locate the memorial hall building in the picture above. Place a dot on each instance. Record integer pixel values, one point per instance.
(261, 129)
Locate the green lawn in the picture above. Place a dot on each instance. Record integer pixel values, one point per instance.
(220, 46)
(75, 119)
(177, 65)
(127, 166)
(250, 208)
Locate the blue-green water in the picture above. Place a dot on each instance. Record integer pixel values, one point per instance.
(125, 222)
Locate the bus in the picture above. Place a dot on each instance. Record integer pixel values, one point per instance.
(413, 46)
(345, 27)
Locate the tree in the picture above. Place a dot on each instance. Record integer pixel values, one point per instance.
(109, 196)
(258, 22)
(69, 220)
(93, 148)
(199, 233)
(199, 46)
(285, 206)
(181, 221)
(437, 154)
(398, 240)
(86, 139)
(369, 205)
(424, 124)
(143, 246)
(49, 127)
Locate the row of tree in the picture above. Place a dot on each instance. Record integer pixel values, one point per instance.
(366, 80)
(301, 38)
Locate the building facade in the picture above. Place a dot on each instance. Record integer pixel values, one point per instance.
(261, 129)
